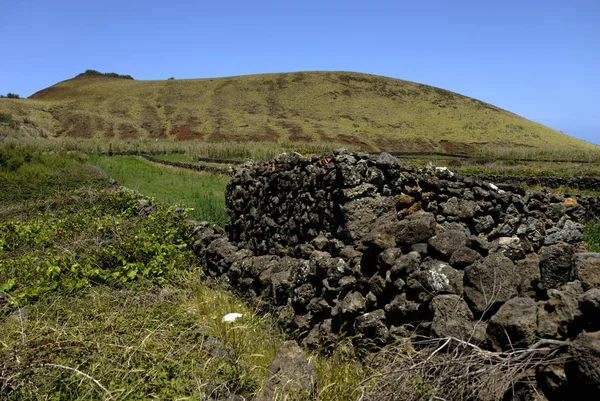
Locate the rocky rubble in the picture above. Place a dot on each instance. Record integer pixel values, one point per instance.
(359, 244)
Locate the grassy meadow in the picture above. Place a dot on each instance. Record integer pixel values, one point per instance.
(359, 110)
(100, 302)
(201, 191)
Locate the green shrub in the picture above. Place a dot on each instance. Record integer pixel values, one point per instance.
(94, 238)
(7, 119)
(28, 174)
(107, 74)
(592, 235)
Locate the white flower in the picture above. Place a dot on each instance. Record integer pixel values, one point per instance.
(231, 317)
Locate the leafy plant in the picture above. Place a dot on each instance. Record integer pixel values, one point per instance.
(93, 240)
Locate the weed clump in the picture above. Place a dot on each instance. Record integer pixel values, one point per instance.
(8, 120)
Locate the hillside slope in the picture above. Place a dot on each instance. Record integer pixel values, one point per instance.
(372, 112)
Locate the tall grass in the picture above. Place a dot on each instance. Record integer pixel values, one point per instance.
(221, 150)
(204, 192)
(590, 155)
(27, 173)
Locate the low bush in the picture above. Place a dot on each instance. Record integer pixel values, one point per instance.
(107, 74)
(8, 120)
(27, 173)
(95, 238)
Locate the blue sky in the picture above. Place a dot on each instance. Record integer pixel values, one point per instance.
(539, 59)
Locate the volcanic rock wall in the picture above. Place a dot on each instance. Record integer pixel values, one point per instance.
(358, 244)
(580, 183)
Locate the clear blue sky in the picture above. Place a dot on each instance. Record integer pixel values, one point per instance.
(538, 58)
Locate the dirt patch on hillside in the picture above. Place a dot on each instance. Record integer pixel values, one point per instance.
(78, 125)
(183, 133)
(455, 147)
(259, 134)
(405, 145)
(128, 131)
(43, 93)
(151, 121)
(355, 142)
(295, 131)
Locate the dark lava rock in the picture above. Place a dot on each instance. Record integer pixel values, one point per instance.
(586, 269)
(372, 325)
(556, 265)
(490, 282)
(529, 271)
(514, 325)
(417, 227)
(289, 374)
(460, 208)
(571, 233)
(583, 370)
(358, 215)
(463, 257)
(451, 317)
(558, 314)
(388, 258)
(434, 277)
(402, 311)
(446, 242)
(382, 233)
(405, 265)
(589, 306)
(353, 303)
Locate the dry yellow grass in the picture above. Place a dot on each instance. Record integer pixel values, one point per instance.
(366, 111)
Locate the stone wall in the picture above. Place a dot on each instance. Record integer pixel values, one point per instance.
(359, 244)
(580, 183)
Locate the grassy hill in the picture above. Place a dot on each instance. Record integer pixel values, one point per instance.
(366, 111)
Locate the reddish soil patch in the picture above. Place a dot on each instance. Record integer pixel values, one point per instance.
(183, 133)
(296, 133)
(455, 147)
(266, 134)
(43, 93)
(354, 141)
(323, 137)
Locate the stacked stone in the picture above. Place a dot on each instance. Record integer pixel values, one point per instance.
(357, 244)
(580, 183)
(276, 206)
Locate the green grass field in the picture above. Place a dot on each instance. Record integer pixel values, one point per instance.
(204, 192)
(100, 302)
